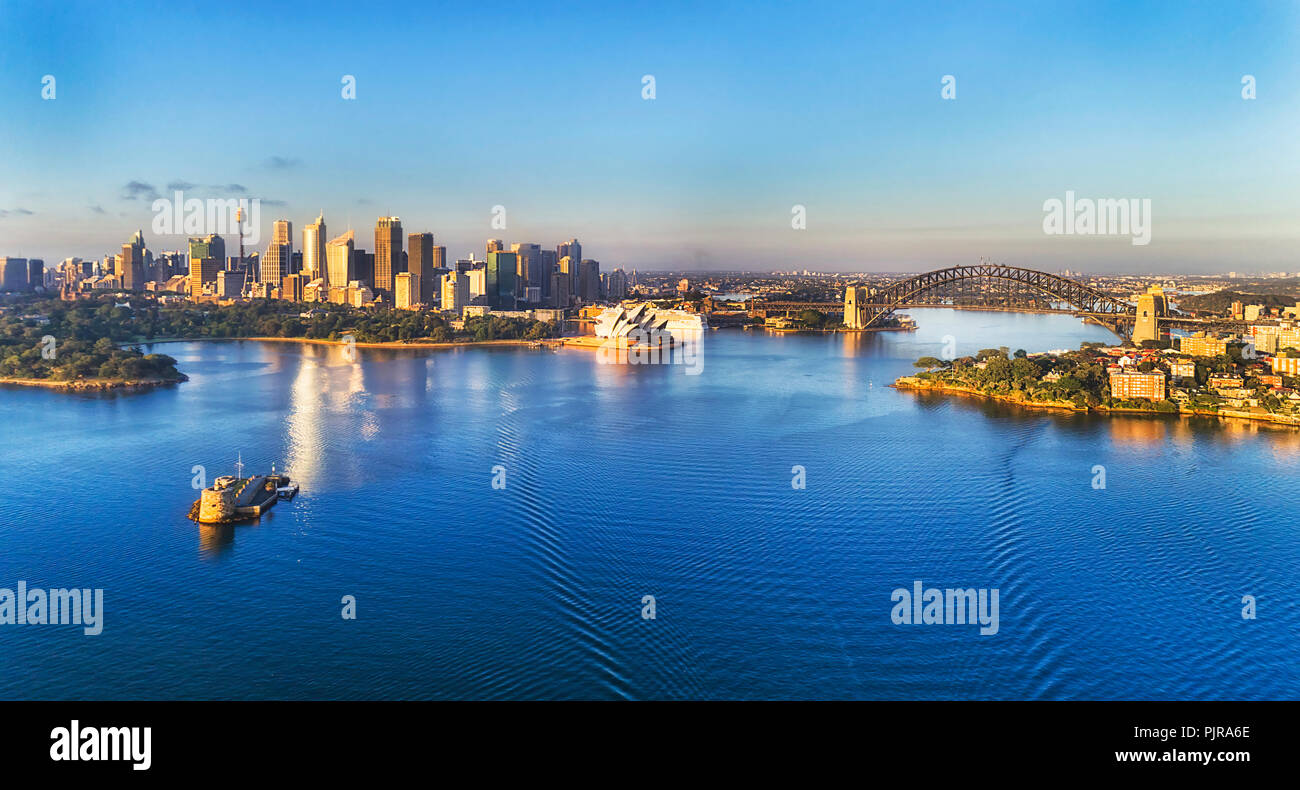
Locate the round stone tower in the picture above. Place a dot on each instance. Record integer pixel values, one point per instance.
(217, 504)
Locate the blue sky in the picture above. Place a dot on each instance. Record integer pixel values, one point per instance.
(759, 107)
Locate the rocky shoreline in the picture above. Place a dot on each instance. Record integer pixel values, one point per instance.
(921, 385)
(95, 385)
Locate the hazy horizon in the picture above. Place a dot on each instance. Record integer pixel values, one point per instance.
(757, 109)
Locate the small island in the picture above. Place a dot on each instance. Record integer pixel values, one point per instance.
(80, 365)
(1118, 380)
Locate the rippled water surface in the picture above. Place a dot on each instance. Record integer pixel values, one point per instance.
(623, 482)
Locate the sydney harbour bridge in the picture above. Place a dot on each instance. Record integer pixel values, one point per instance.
(992, 286)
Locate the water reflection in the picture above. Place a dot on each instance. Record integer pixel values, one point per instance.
(215, 540)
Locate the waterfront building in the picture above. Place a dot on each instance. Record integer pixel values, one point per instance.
(388, 253)
(644, 319)
(1224, 381)
(340, 263)
(1182, 369)
(1130, 384)
(313, 248)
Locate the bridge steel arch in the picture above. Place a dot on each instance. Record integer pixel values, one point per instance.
(883, 301)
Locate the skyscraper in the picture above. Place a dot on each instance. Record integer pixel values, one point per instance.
(528, 267)
(282, 232)
(13, 274)
(420, 262)
(501, 280)
(207, 257)
(35, 273)
(571, 249)
(293, 287)
(313, 248)
(340, 269)
(230, 283)
(406, 291)
(363, 268)
(210, 246)
(549, 262)
(560, 297)
(132, 269)
(568, 271)
(276, 264)
(616, 288)
(589, 281)
(495, 245)
(455, 291)
(203, 271)
(388, 253)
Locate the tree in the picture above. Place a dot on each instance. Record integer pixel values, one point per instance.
(812, 319)
(1022, 369)
(998, 369)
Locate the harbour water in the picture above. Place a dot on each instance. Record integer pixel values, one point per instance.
(628, 481)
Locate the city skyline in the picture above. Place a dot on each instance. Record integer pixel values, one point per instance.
(849, 124)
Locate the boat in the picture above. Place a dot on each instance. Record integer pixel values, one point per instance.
(287, 491)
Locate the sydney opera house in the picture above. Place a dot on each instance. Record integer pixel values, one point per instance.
(645, 320)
